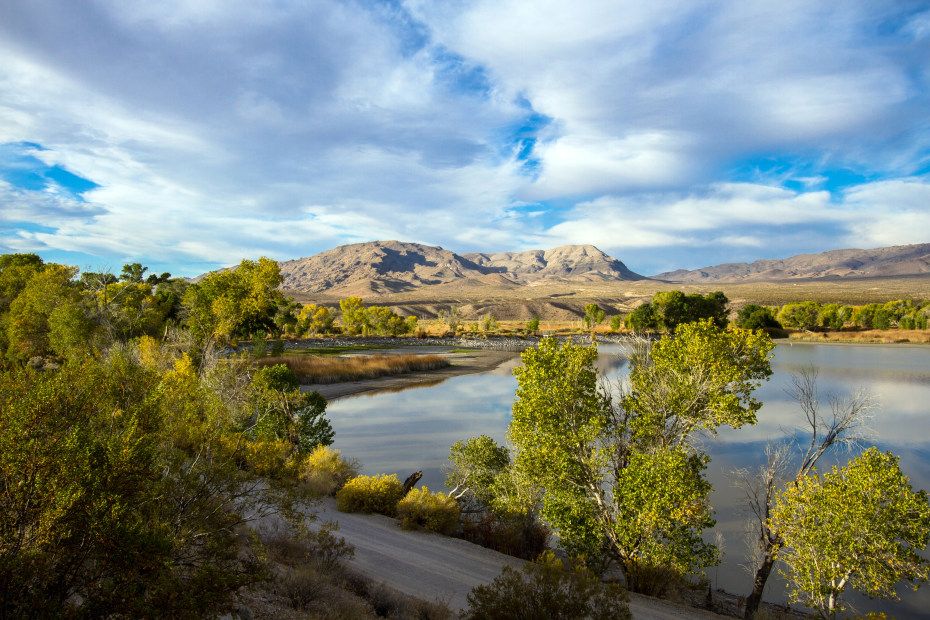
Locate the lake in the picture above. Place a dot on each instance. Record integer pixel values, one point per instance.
(411, 430)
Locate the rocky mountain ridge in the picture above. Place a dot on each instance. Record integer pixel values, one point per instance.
(382, 267)
(901, 260)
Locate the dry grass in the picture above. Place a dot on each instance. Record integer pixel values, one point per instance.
(912, 336)
(312, 370)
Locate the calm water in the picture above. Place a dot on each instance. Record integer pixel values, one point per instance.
(402, 432)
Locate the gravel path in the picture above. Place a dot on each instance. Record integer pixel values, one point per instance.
(434, 567)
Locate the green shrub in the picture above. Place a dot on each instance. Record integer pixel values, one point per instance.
(371, 494)
(547, 590)
(325, 471)
(432, 511)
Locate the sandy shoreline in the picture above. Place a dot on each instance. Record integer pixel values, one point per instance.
(461, 363)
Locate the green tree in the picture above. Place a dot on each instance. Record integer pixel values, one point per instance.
(616, 322)
(842, 427)
(861, 526)
(134, 273)
(124, 487)
(621, 476)
(802, 315)
(835, 316)
(642, 319)
(674, 308)
(234, 302)
(533, 324)
(284, 412)
(27, 322)
(475, 467)
(754, 316)
(593, 316)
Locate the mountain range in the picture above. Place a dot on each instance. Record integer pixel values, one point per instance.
(384, 267)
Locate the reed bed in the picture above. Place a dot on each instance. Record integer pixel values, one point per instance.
(311, 369)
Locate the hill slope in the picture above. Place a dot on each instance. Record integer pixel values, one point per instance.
(377, 267)
(568, 262)
(853, 263)
(383, 267)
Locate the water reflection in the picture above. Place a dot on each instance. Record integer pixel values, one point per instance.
(411, 430)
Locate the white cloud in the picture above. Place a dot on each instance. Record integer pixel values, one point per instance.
(218, 130)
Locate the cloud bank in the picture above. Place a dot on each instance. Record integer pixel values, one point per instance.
(189, 135)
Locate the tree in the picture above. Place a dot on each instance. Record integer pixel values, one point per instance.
(842, 428)
(620, 475)
(134, 273)
(353, 314)
(27, 322)
(674, 308)
(234, 302)
(284, 412)
(754, 316)
(475, 467)
(642, 319)
(834, 316)
(533, 324)
(861, 526)
(803, 315)
(125, 486)
(593, 316)
(315, 319)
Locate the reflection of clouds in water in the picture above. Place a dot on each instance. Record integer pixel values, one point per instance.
(406, 431)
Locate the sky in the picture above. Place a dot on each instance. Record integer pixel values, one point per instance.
(190, 134)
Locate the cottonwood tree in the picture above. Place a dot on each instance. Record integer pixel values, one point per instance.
(235, 302)
(861, 526)
(621, 473)
(844, 428)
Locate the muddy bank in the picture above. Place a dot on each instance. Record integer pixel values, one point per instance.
(461, 363)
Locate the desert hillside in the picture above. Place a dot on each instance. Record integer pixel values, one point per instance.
(568, 262)
(386, 267)
(901, 260)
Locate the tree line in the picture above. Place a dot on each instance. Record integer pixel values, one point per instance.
(669, 309)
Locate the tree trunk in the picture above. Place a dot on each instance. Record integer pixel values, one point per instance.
(411, 480)
(758, 584)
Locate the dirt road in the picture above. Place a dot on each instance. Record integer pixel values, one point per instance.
(434, 567)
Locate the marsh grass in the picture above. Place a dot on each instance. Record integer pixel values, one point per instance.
(912, 336)
(312, 370)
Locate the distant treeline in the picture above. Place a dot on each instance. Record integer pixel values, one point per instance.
(669, 309)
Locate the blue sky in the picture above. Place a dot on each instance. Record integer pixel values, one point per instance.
(189, 134)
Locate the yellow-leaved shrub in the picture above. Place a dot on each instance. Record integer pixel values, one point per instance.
(432, 511)
(369, 494)
(324, 471)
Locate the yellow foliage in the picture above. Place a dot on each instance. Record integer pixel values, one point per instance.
(433, 511)
(369, 494)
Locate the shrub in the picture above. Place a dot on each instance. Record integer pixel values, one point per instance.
(325, 471)
(547, 590)
(514, 535)
(436, 512)
(371, 494)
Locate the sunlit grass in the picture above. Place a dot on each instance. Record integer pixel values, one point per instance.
(313, 370)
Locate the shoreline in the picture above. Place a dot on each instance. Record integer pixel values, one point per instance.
(461, 363)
